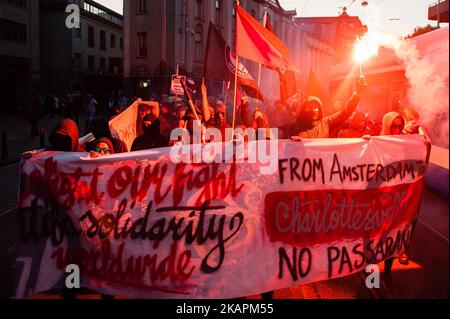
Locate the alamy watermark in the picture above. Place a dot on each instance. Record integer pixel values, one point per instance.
(373, 278)
(73, 277)
(208, 145)
(73, 19)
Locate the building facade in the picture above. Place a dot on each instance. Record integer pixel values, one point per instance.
(341, 31)
(162, 36)
(19, 53)
(88, 59)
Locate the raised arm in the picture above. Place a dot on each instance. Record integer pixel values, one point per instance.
(340, 117)
(205, 104)
(244, 112)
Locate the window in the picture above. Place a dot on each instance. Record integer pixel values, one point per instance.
(142, 9)
(17, 3)
(218, 13)
(121, 43)
(13, 31)
(77, 32)
(92, 9)
(198, 8)
(102, 40)
(102, 64)
(115, 65)
(77, 61)
(142, 40)
(91, 63)
(113, 41)
(91, 37)
(199, 42)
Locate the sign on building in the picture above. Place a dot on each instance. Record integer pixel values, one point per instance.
(176, 88)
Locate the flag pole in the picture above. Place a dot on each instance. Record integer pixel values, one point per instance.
(227, 88)
(235, 71)
(260, 65)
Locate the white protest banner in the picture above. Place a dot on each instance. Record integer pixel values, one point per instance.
(128, 125)
(176, 88)
(123, 126)
(139, 225)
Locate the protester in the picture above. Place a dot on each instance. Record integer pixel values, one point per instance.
(259, 119)
(280, 115)
(311, 123)
(412, 117)
(181, 112)
(143, 110)
(393, 124)
(191, 122)
(99, 127)
(220, 121)
(91, 108)
(64, 137)
(375, 127)
(214, 118)
(101, 147)
(153, 108)
(111, 104)
(357, 127)
(152, 136)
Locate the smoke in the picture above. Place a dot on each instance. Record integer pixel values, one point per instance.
(428, 91)
(427, 73)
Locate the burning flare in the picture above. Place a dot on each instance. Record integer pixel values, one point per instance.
(368, 46)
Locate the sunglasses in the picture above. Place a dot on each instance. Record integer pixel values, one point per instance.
(99, 150)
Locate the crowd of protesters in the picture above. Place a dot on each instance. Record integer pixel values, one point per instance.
(296, 121)
(74, 106)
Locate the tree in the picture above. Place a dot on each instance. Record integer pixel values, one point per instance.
(422, 30)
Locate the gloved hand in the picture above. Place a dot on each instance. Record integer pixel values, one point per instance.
(296, 138)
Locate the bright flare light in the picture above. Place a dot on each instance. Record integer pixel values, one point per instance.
(368, 46)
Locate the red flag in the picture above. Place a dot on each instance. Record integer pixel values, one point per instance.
(220, 64)
(256, 43)
(288, 85)
(314, 88)
(288, 82)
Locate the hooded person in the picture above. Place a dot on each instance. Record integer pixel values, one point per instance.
(357, 127)
(393, 124)
(100, 128)
(412, 118)
(258, 121)
(311, 123)
(152, 137)
(64, 137)
(191, 122)
(101, 147)
(220, 120)
(154, 109)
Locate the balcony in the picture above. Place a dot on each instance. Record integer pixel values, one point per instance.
(438, 11)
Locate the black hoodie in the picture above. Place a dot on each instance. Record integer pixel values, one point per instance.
(152, 138)
(325, 125)
(100, 128)
(64, 137)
